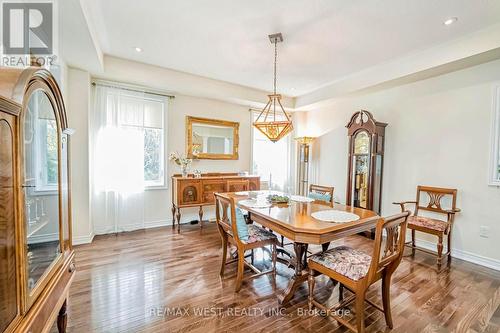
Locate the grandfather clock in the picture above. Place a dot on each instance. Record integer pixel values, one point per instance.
(366, 159)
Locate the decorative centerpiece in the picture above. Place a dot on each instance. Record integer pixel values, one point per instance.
(278, 199)
(181, 161)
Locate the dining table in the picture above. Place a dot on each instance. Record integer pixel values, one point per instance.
(294, 221)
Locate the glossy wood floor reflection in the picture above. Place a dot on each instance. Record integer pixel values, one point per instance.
(160, 281)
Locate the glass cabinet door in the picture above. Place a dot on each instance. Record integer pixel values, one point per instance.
(41, 186)
(8, 278)
(361, 167)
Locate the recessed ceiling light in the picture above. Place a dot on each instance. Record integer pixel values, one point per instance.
(137, 49)
(450, 21)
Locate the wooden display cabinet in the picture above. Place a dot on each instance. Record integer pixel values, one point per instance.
(199, 192)
(35, 216)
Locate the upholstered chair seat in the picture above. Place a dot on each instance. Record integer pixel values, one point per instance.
(256, 234)
(344, 260)
(428, 223)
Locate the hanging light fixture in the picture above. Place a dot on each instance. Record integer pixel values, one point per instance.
(273, 121)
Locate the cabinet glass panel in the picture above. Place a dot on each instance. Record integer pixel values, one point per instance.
(65, 190)
(41, 186)
(360, 171)
(8, 283)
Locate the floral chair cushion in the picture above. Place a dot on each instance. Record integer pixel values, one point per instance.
(257, 234)
(428, 223)
(344, 260)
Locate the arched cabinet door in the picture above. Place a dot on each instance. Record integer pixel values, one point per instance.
(9, 284)
(37, 260)
(41, 190)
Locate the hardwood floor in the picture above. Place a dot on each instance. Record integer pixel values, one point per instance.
(160, 281)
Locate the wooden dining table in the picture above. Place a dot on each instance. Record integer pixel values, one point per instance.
(294, 221)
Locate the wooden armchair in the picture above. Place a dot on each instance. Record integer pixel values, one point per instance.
(433, 226)
(229, 219)
(321, 194)
(357, 271)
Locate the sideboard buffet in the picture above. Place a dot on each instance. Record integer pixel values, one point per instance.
(198, 192)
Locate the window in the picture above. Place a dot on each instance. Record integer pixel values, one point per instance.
(41, 131)
(48, 147)
(144, 115)
(271, 159)
(495, 142)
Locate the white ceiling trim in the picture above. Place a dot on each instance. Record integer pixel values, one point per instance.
(92, 33)
(164, 79)
(79, 45)
(449, 53)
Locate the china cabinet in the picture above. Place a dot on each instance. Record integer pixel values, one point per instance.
(35, 220)
(366, 159)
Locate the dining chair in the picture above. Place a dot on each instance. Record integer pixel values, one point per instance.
(237, 185)
(321, 193)
(357, 271)
(234, 230)
(434, 226)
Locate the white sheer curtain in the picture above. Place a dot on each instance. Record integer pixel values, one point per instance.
(272, 159)
(117, 160)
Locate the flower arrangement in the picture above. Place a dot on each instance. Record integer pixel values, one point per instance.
(181, 161)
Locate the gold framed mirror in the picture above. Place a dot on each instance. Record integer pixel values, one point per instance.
(212, 139)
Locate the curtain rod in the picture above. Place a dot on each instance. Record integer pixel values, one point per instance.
(130, 89)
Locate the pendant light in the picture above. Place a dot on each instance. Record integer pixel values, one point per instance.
(273, 121)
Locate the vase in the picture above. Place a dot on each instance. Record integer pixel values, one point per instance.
(184, 170)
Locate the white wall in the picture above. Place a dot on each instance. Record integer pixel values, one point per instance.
(438, 135)
(77, 108)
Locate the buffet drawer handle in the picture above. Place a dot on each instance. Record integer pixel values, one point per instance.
(72, 267)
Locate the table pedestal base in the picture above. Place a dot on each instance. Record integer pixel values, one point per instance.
(301, 272)
(294, 283)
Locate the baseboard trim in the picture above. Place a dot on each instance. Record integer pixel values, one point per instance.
(157, 224)
(463, 255)
(80, 240)
(36, 239)
(134, 226)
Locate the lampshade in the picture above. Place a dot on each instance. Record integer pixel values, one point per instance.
(305, 140)
(273, 121)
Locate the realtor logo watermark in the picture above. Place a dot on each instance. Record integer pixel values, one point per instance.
(221, 312)
(27, 32)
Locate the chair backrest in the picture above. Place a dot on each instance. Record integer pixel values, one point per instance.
(225, 215)
(238, 185)
(388, 249)
(323, 190)
(435, 199)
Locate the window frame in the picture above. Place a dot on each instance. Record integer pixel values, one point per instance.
(494, 169)
(149, 185)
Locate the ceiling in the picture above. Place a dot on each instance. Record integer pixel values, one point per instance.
(325, 40)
